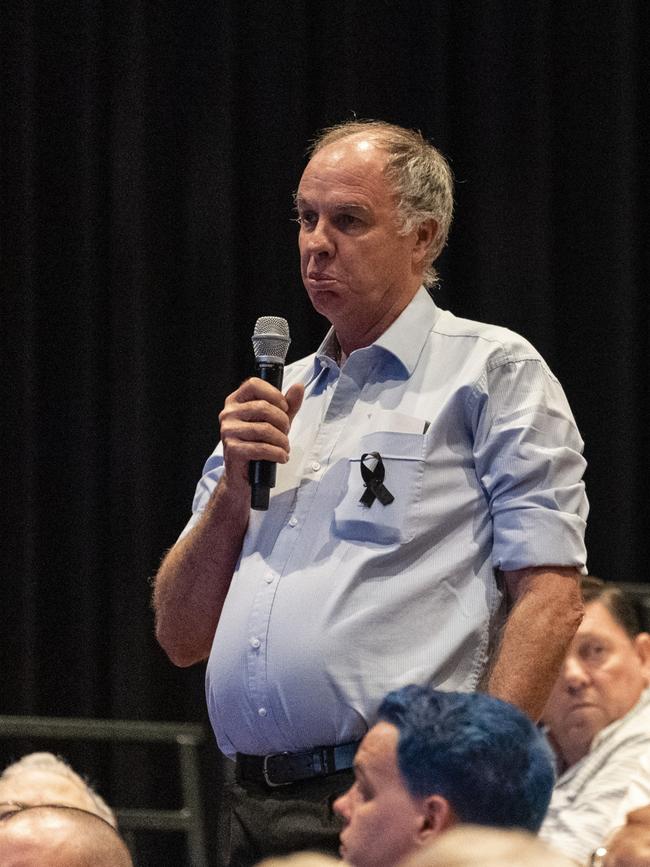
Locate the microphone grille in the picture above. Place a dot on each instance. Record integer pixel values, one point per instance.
(271, 338)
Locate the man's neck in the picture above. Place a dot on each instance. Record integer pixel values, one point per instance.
(352, 336)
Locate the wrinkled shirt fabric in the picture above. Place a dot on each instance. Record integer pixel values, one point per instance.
(334, 603)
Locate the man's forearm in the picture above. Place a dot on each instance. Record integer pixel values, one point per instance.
(545, 616)
(193, 580)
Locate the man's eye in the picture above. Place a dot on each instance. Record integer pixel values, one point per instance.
(594, 651)
(364, 792)
(307, 218)
(346, 221)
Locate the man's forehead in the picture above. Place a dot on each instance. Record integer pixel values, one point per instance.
(378, 749)
(358, 146)
(599, 620)
(347, 163)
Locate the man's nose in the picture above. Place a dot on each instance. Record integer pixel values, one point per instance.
(341, 806)
(574, 673)
(319, 241)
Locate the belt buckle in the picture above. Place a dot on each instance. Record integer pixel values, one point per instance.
(265, 771)
(325, 767)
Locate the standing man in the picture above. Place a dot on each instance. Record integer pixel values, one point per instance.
(312, 611)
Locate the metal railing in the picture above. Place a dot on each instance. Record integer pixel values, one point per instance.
(187, 737)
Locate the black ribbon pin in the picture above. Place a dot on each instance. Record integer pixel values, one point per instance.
(373, 481)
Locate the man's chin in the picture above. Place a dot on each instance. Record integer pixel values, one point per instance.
(325, 301)
(587, 718)
(346, 856)
(576, 738)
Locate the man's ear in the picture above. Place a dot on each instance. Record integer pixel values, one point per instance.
(642, 647)
(425, 235)
(437, 816)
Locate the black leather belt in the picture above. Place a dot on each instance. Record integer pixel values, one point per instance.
(281, 769)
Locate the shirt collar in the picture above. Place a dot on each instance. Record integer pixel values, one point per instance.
(404, 339)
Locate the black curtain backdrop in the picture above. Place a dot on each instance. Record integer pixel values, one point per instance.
(149, 152)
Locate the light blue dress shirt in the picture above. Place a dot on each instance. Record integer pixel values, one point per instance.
(334, 603)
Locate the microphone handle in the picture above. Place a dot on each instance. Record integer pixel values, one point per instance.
(261, 474)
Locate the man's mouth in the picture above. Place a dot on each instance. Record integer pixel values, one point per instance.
(320, 277)
(581, 705)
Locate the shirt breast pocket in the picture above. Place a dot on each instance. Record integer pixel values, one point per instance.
(402, 455)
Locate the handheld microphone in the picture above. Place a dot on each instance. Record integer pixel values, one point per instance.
(270, 344)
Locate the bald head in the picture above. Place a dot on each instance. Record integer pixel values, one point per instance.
(301, 859)
(60, 837)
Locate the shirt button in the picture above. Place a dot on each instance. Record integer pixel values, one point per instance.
(255, 642)
(315, 466)
(261, 711)
(293, 522)
(268, 577)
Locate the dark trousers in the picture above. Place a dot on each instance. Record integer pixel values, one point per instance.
(267, 821)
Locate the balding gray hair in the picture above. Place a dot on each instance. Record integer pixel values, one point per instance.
(52, 764)
(419, 173)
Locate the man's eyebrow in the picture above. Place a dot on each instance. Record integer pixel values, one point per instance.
(300, 202)
(349, 206)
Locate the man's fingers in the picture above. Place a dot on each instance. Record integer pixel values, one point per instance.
(242, 452)
(255, 422)
(254, 432)
(641, 816)
(255, 411)
(255, 389)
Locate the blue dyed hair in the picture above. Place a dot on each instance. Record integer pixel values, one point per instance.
(481, 754)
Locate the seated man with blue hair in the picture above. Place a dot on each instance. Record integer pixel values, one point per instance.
(436, 759)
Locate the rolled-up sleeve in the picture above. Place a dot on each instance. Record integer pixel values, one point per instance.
(212, 472)
(528, 458)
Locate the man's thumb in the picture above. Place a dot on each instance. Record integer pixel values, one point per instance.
(294, 396)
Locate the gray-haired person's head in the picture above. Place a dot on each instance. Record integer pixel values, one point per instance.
(421, 177)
